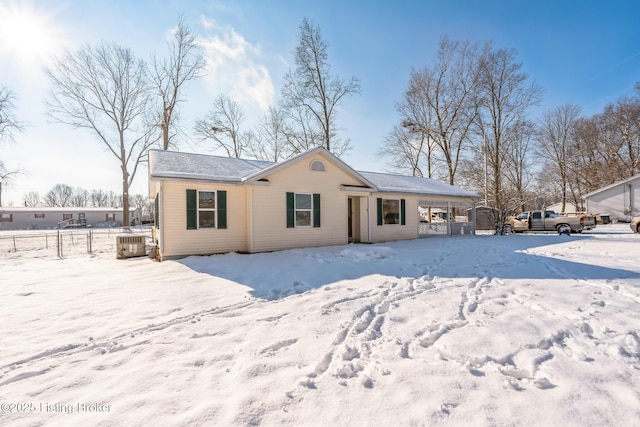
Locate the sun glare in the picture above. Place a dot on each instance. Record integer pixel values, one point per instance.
(28, 36)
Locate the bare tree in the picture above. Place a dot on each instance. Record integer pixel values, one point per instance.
(171, 75)
(312, 88)
(145, 204)
(98, 199)
(80, 198)
(518, 172)
(31, 199)
(105, 89)
(555, 141)
(504, 99)
(409, 151)
(61, 195)
(441, 101)
(222, 125)
(272, 143)
(9, 126)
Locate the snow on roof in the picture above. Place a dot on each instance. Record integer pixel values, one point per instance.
(171, 164)
(615, 184)
(390, 183)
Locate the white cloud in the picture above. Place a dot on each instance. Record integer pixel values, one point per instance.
(234, 68)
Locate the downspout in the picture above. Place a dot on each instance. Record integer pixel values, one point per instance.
(368, 220)
(161, 220)
(449, 218)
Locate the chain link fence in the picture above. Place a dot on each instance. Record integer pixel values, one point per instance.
(63, 243)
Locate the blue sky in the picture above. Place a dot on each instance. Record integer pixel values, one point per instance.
(580, 51)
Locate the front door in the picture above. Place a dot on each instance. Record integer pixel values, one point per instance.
(353, 219)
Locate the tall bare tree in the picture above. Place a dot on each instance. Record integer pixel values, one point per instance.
(556, 141)
(313, 88)
(409, 152)
(105, 89)
(170, 76)
(441, 101)
(223, 125)
(505, 97)
(518, 173)
(272, 142)
(9, 126)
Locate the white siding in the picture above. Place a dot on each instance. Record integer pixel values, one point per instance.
(620, 202)
(387, 232)
(178, 241)
(269, 226)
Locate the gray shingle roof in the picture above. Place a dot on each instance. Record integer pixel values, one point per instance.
(170, 164)
(391, 183)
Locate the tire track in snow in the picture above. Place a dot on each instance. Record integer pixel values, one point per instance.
(120, 342)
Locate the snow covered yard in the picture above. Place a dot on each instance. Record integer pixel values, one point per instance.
(519, 330)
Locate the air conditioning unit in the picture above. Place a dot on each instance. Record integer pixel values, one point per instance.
(128, 246)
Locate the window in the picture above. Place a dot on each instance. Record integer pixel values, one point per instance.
(38, 215)
(6, 217)
(391, 211)
(111, 216)
(66, 216)
(303, 210)
(206, 209)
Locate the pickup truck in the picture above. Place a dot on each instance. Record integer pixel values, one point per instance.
(551, 221)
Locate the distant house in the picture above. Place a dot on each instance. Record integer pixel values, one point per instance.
(557, 208)
(209, 204)
(620, 200)
(47, 218)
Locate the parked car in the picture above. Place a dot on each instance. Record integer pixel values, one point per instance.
(635, 224)
(551, 221)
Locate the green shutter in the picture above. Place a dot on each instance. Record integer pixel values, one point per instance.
(156, 211)
(192, 210)
(403, 219)
(222, 209)
(316, 210)
(291, 215)
(379, 203)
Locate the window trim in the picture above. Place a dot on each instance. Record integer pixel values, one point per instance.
(214, 209)
(291, 210)
(296, 209)
(193, 209)
(401, 211)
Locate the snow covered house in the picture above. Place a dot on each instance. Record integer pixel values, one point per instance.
(23, 218)
(620, 200)
(208, 204)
